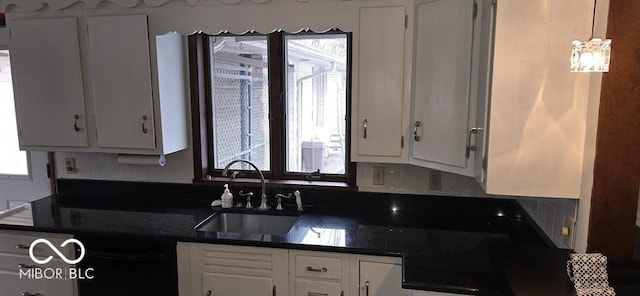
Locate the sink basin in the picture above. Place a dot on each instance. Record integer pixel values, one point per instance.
(247, 223)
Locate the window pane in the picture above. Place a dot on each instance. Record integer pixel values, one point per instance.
(12, 160)
(316, 102)
(240, 100)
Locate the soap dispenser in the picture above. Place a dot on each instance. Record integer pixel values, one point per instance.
(227, 197)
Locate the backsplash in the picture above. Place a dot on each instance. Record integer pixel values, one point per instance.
(549, 214)
(409, 179)
(105, 166)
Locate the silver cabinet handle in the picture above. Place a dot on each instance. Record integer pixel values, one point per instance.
(367, 288)
(274, 291)
(26, 293)
(209, 293)
(323, 269)
(469, 148)
(364, 127)
(144, 128)
(415, 131)
(26, 266)
(21, 246)
(341, 293)
(75, 122)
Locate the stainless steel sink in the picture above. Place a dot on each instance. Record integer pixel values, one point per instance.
(247, 223)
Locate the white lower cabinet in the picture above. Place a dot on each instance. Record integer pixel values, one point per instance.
(377, 276)
(15, 261)
(222, 270)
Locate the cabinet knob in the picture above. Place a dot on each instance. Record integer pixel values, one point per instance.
(366, 285)
(415, 131)
(75, 122)
(25, 266)
(310, 268)
(469, 148)
(144, 128)
(364, 128)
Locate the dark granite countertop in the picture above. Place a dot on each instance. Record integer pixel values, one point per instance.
(440, 251)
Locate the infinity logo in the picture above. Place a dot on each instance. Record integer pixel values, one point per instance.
(48, 243)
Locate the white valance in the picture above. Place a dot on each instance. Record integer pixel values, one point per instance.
(212, 16)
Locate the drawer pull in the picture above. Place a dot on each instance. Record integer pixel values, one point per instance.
(21, 246)
(324, 269)
(26, 266)
(317, 294)
(26, 293)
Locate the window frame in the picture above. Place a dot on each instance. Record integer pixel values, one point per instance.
(28, 175)
(202, 110)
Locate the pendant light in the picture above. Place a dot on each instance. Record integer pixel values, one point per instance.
(591, 55)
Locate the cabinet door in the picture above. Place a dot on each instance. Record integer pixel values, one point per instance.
(381, 279)
(120, 68)
(442, 85)
(487, 12)
(380, 73)
(47, 74)
(236, 285)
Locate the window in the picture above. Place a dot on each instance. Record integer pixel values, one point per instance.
(13, 162)
(278, 100)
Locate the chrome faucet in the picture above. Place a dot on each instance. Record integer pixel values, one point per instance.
(263, 195)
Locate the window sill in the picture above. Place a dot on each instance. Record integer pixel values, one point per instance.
(342, 186)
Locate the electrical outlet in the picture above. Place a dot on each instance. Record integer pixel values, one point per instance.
(378, 175)
(570, 224)
(70, 165)
(435, 180)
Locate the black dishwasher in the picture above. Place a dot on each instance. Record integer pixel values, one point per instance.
(125, 266)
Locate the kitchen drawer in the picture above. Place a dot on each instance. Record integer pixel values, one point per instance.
(307, 287)
(10, 263)
(18, 242)
(323, 267)
(12, 285)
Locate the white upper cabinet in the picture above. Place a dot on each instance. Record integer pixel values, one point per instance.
(443, 100)
(134, 85)
(535, 108)
(48, 85)
(382, 45)
(120, 69)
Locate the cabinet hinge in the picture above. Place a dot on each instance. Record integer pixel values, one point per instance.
(475, 10)
(402, 142)
(406, 21)
(484, 163)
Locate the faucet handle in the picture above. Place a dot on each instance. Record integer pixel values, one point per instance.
(248, 195)
(298, 199)
(280, 196)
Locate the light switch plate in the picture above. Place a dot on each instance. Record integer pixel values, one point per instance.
(571, 224)
(70, 165)
(378, 175)
(435, 180)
